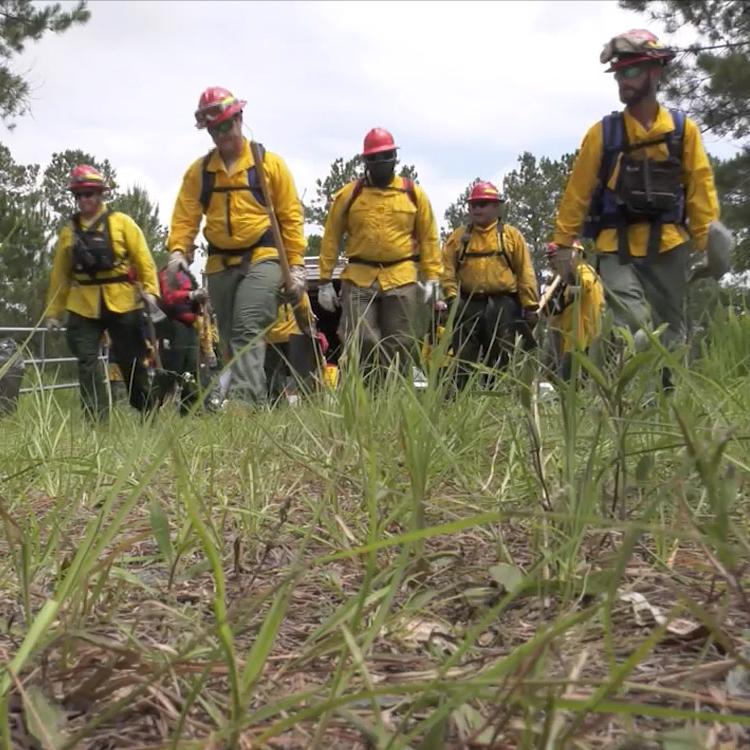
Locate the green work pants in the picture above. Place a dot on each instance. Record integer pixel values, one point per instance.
(128, 350)
(245, 299)
(643, 291)
(484, 333)
(179, 358)
(383, 324)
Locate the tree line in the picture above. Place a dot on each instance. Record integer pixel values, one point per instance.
(710, 81)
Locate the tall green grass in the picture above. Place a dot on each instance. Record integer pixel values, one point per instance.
(385, 568)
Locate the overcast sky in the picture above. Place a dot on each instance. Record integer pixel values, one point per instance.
(464, 87)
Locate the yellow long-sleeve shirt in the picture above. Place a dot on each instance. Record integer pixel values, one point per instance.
(235, 219)
(382, 225)
(700, 192)
(130, 251)
(584, 305)
(480, 273)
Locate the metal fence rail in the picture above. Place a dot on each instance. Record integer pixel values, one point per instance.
(39, 360)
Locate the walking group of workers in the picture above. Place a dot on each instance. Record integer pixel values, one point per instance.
(641, 190)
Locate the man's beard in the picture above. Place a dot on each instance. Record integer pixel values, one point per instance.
(638, 95)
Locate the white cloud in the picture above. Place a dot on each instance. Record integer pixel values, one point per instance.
(464, 86)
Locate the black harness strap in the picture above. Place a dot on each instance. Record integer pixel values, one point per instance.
(466, 239)
(246, 253)
(208, 187)
(88, 281)
(382, 263)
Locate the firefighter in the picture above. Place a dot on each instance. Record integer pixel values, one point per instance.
(102, 273)
(487, 267)
(574, 308)
(393, 258)
(182, 300)
(244, 277)
(642, 189)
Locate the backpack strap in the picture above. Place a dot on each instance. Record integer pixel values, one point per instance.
(76, 218)
(461, 258)
(675, 139)
(253, 181)
(359, 186)
(407, 186)
(208, 182)
(614, 140)
(410, 190)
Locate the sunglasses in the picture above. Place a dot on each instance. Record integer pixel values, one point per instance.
(222, 128)
(482, 204)
(85, 194)
(630, 72)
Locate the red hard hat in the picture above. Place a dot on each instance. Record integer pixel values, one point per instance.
(485, 191)
(633, 47)
(86, 176)
(217, 105)
(377, 140)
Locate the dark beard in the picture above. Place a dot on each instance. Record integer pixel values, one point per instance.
(641, 94)
(381, 173)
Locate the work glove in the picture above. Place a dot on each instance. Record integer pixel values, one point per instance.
(561, 259)
(198, 295)
(152, 307)
(53, 324)
(328, 298)
(177, 262)
(430, 291)
(298, 284)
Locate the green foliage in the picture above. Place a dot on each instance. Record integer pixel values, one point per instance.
(25, 238)
(136, 203)
(341, 173)
(733, 187)
(532, 191)
(22, 21)
(209, 560)
(711, 81)
(57, 175)
(313, 244)
(457, 213)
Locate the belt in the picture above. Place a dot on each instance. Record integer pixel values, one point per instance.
(484, 295)
(112, 280)
(381, 263)
(265, 240)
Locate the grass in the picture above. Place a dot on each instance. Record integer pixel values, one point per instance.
(389, 570)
